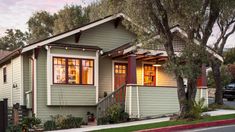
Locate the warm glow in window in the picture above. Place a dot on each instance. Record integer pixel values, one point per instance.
(73, 71)
(149, 75)
(87, 71)
(59, 70)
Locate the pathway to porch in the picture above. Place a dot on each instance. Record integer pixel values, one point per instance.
(100, 127)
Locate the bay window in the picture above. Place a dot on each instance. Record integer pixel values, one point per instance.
(73, 71)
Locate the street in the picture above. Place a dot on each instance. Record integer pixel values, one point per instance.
(228, 103)
(229, 128)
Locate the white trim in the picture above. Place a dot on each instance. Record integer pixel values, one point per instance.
(130, 97)
(138, 101)
(113, 62)
(22, 82)
(11, 82)
(47, 41)
(35, 84)
(96, 75)
(49, 75)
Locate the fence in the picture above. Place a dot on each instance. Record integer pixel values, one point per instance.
(3, 115)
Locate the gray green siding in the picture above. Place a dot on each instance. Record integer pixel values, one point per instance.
(63, 51)
(72, 95)
(44, 111)
(106, 36)
(144, 101)
(105, 76)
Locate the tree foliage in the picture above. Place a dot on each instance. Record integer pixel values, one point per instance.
(229, 56)
(69, 18)
(43, 24)
(13, 39)
(40, 25)
(225, 75)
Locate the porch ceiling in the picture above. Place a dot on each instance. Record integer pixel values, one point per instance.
(141, 54)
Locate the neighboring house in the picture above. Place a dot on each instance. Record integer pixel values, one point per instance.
(70, 73)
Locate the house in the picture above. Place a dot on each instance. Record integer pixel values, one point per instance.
(72, 72)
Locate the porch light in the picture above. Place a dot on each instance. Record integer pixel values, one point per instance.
(157, 65)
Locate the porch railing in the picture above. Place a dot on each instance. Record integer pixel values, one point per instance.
(116, 97)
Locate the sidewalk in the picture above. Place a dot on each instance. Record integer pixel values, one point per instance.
(100, 127)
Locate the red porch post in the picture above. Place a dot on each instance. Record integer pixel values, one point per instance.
(202, 80)
(131, 76)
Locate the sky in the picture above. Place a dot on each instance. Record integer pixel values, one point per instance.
(15, 13)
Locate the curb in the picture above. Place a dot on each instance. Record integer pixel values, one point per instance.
(191, 126)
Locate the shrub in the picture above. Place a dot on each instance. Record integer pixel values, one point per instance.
(115, 114)
(30, 122)
(196, 110)
(14, 128)
(50, 125)
(61, 122)
(71, 122)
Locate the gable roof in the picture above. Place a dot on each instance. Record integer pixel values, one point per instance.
(89, 26)
(74, 31)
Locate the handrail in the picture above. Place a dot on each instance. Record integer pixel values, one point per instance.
(116, 90)
(116, 97)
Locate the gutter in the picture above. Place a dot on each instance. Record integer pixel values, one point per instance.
(13, 54)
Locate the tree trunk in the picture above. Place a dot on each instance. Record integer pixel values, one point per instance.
(217, 77)
(191, 93)
(181, 96)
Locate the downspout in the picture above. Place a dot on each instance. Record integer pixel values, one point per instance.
(32, 77)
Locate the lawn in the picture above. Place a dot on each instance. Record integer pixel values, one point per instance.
(167, 123)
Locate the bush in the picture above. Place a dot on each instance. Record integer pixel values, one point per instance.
(115, 114)
(61, 122)
(14, 128)
(196, 110)
(30, 122)
(50, 125)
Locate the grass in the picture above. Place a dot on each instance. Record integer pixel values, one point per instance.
(167, 123)
(215, 106)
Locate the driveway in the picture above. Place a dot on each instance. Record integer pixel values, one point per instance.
(228, 103)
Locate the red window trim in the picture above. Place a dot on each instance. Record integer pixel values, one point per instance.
(155, 84)
(66, 70)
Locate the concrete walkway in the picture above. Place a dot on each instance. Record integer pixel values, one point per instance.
(100, 127)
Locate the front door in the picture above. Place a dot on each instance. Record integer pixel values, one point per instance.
(120, 78)
(120, 74)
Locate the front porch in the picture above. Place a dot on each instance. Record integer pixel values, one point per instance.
(142, 86)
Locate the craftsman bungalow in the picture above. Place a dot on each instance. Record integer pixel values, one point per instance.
(85, 69)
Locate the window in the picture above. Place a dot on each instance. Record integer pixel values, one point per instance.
(59, 70)
(149, 75)
(87, 71)
(73, 71)
(4, 74)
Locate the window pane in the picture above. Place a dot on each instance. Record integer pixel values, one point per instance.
(59, 71)
(87, 71)
(73, 71)
(149, 75)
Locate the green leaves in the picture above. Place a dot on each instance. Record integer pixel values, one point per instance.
(13, 39)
